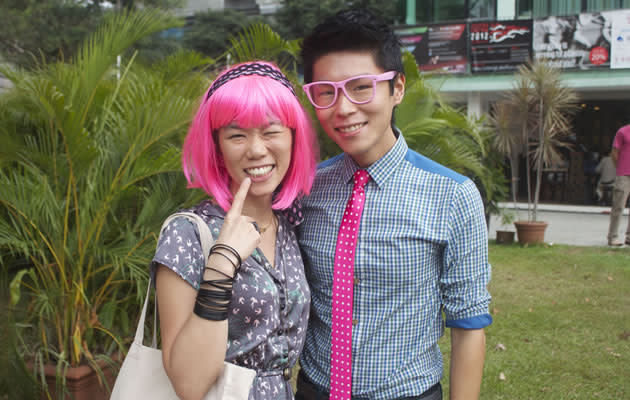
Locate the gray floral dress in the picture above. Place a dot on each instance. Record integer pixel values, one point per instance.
(270, 305)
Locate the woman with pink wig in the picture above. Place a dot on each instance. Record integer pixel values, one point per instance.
(252, 149)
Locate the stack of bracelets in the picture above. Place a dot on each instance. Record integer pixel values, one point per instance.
(212, 303)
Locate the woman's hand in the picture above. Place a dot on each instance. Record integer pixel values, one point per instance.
(238, 230)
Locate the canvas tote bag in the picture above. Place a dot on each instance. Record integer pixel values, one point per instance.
(142, 375)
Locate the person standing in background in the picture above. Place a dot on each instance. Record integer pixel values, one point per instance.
(607, 174)
(620, 155)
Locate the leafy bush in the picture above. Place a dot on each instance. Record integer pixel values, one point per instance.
(90, 166)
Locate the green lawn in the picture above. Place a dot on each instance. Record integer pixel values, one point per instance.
(563, 316)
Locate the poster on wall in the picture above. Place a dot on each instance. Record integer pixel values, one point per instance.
(439, 48)
(620, 40)
(577, 41)
(412, 38)
(500, 46)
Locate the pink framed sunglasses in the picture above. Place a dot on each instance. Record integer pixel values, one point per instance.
(358, 89)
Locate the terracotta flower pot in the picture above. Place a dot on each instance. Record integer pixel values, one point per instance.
(82, 382)
(505, 237)
(530, 232)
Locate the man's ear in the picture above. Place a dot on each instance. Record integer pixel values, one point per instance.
(399, 88)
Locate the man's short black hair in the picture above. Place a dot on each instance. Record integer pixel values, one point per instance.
(353, 30)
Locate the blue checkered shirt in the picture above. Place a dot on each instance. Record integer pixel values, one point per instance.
(421, 263)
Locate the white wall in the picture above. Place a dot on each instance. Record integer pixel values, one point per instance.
(193, 6)
(506, 9)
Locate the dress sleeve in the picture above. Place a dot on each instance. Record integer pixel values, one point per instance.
(466, 270)
(179, 249)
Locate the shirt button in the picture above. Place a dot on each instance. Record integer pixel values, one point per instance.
(280, 332)
(356, 280)
(282, 306)
(355, 321)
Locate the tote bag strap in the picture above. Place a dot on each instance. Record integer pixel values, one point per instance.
(205, 237)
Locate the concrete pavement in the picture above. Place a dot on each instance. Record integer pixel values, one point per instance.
(572, 225)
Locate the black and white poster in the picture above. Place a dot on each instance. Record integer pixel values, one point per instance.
(578, 41)
(500, 46)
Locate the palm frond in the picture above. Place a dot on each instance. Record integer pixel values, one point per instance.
(260, 42)
(91, 171)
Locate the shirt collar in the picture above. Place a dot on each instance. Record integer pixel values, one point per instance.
(382, 169)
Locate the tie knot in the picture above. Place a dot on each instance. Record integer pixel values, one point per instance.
(361, 177)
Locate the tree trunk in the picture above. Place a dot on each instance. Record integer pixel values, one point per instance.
(527, 171)
(539, 163)
(514, 168)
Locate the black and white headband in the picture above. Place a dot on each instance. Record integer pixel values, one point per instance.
(254, 68)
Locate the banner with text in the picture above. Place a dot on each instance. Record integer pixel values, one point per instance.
(500, 46)
(440, 48)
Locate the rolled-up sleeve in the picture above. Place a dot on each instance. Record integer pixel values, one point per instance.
(466, 270)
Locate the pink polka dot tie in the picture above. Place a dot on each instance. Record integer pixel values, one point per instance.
(343, 277)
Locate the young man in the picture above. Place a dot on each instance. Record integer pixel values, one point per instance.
(620, 155)
(385, 275)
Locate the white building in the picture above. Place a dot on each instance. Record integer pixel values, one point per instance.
(263, 7)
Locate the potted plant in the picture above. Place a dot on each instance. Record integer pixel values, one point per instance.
(89, 169)
(533, 120)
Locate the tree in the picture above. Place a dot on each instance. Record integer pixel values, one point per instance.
(210, 31)
(540, 107)
(90, 167)
(31, 30)
(35, 31)
(437, 130)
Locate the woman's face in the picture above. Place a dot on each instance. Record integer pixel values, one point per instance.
(260, 153)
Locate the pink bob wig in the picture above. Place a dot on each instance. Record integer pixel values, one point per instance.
(250, 101)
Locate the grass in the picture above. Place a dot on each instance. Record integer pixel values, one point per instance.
(563, 316)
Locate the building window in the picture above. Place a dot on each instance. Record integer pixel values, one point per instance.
(424, 11)
(449, 10)
(482, 9)
(431, 11)
(603, 5)
(524, 8)
(543, 8)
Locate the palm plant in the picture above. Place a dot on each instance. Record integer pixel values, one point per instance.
(89, 166)
(541, 106)
(260, 42)
(505, 141)
(445, 134)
